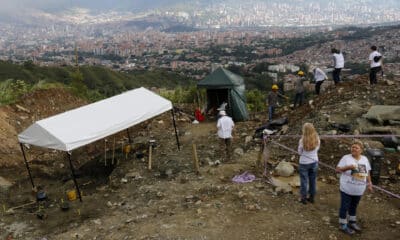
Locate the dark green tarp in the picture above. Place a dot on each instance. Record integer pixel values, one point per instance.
(225, 86)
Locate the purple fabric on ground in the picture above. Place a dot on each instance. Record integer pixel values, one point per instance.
(244, 178)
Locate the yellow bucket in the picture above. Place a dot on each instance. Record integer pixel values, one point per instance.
(127, 148)
(71, 194)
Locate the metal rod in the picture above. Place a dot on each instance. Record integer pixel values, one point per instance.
(27, 165)
(176, 133)
(73, 176)
(339, 136)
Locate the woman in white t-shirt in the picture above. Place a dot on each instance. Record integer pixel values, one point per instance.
(308, 163)
(355, 176)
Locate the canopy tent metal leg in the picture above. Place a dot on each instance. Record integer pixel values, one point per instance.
(176, 133)
(73, 176)
(27, 165)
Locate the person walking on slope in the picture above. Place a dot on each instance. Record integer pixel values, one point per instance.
(319, 77)
(225, 127)
(355, 176)
(308, 164)
(338, 64)
(375, 59)
(299, 89)
(272, 100)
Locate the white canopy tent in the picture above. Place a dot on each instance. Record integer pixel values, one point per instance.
(81, 126)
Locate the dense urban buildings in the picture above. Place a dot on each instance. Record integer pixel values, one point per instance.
(193, 38)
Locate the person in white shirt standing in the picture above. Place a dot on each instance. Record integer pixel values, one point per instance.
(355, 176)
(375, 59)
(308, 167)
(225, 127)
(319, 77)
(338, 64)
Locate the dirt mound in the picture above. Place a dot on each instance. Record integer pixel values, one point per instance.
(32, 107)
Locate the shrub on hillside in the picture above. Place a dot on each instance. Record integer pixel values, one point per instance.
(11, 90)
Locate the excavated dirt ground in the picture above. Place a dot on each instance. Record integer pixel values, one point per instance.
(125, 200)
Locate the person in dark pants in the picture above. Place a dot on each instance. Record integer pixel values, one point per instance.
(272, 101)
(355, 176)
(338, 64)
(299, 89)
(319, 77)
(375, 59)
(225, 127)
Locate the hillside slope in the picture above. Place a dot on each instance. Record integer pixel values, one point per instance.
(128, 201)
(100, 79)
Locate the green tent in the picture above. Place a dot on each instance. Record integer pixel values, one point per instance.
(225, 86)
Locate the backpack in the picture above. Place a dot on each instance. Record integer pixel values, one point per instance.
(377, 58)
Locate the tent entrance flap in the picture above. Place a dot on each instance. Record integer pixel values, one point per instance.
(215, 97)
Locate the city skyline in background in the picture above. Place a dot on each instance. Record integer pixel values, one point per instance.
(203, 13)
(187, 35)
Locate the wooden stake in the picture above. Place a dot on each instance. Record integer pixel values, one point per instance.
(150, 153)
(20, 206)
(195, 159)
(113, 152)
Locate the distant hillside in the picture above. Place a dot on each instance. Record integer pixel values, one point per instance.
(104, 81)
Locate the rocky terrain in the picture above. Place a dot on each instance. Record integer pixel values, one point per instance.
(123, 199)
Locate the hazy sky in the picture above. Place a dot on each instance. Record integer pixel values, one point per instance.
(9, 6)
(50, 4)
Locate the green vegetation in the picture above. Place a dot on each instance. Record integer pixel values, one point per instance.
(185, 95)
(90, 82)
(255, 100)
(11, 90)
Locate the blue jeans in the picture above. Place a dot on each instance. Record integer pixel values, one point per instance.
(308, 179)
(271, 110)
(298, 98)
(348, 204)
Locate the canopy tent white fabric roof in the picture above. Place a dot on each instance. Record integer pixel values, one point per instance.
(84, 125)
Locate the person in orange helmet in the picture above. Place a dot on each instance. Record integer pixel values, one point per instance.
(272, 101)
(299, 89)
